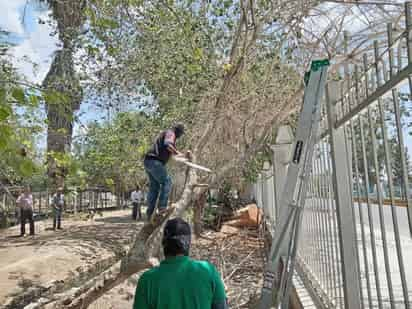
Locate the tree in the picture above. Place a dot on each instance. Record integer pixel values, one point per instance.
(18, 128)
(397, 165)
(110, 154)
(18, 123)
(64, 94)
(373, 173)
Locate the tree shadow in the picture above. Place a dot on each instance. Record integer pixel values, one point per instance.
(112, 234)
(125, 219)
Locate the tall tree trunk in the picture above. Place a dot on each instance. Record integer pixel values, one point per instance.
(60, 107)
(63, 94)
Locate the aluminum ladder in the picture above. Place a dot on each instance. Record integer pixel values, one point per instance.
(286, 238)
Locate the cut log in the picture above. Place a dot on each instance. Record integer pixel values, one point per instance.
(249, 216)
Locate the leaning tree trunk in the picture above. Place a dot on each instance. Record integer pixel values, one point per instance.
(63, 92)
(144, 253)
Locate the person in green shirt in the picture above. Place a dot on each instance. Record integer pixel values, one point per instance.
(180, 282)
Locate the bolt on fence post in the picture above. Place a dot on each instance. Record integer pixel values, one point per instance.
(344, 204)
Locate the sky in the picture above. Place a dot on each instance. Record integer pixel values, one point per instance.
(34, 46)
(34, 42)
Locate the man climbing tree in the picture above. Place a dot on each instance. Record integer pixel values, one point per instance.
(155, 162)
(179, 281)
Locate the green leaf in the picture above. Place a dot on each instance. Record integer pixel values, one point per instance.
(34, 100)
(2, 95)
(3, 142)
(109, 181)
(107, 23)
(194, 69)
(5, 112)
(54, 97)
(62, 131)
(18, 94)
(227, 4)
(26, 167)
(92, 50)
(111, 50)
(198, 54)
(6, 131)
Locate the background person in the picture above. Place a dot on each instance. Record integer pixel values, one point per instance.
(180, 282)
(25, 203)
(137, 199)
(57, 204)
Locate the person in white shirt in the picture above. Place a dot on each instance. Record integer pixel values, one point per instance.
(137, 200)
(25, 203)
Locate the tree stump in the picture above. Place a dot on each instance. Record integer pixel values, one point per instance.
(199, 206)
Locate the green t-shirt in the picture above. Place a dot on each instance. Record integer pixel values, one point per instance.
(179, 283)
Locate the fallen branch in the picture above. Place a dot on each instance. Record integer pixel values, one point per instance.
(239, 265)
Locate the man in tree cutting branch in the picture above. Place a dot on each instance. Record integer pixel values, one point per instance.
(155, 162)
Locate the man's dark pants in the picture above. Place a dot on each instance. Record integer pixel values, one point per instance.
(160, 184)
(26, 214)
(136, 209)
(57, 217)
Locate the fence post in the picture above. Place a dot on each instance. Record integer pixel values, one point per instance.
(258, 191)
(344, 203)
(281, 156)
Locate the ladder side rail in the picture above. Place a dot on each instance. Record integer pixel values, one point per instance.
(307, 127)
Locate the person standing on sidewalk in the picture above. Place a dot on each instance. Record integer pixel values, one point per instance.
(155, 162)
(137, 199)
(57, 204)
(25, 203)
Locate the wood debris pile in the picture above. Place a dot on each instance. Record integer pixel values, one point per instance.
(239, 256)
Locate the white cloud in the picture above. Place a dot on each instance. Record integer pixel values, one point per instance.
(11, 21)
(33, 56)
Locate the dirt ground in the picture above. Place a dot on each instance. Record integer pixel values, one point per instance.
(50, 262)
(56, 260)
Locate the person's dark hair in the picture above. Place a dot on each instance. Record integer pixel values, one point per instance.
(176, 237)
(179, 130)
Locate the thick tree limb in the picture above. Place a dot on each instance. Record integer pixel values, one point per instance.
(143, 254)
